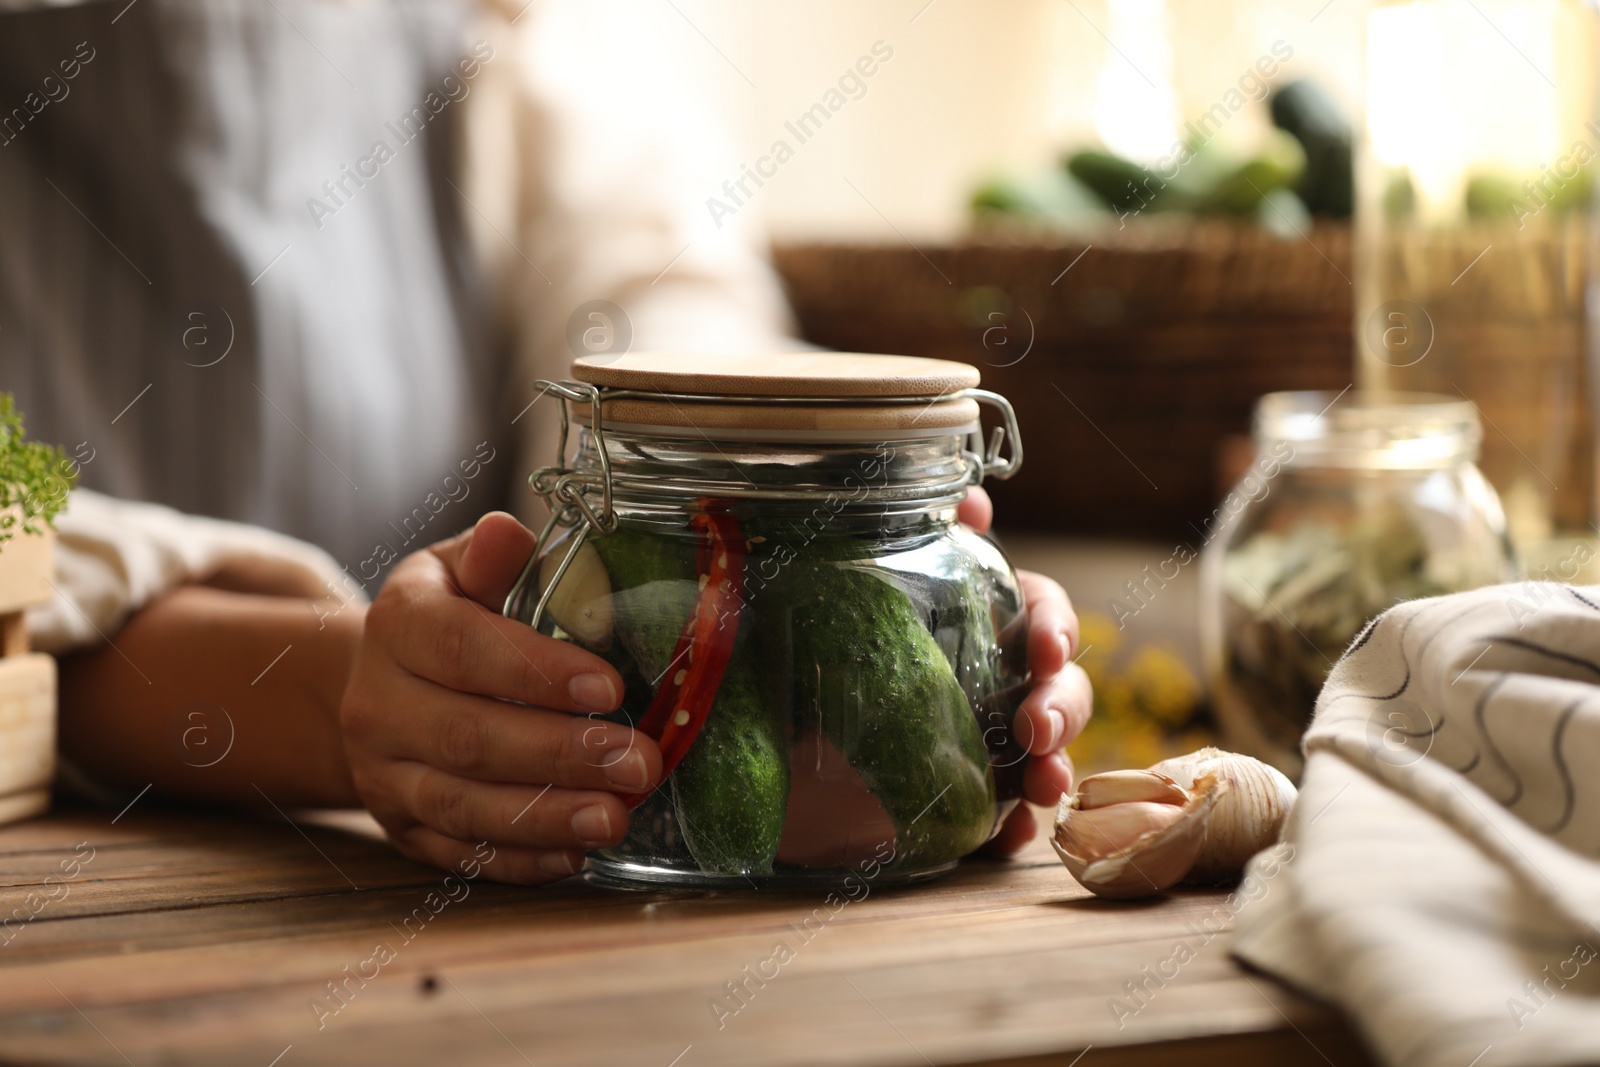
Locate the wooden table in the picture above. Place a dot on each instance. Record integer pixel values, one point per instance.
(192, 939)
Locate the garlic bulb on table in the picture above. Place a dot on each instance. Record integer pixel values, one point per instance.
(1196, 818)
(1248, 816)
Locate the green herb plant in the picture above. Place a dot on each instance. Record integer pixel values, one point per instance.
(35, 478)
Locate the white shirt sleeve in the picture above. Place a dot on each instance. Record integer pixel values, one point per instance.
(115, 556)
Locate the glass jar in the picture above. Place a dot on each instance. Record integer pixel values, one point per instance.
(1354, 503)
(769, 555)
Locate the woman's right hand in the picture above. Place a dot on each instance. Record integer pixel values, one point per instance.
(462, 726)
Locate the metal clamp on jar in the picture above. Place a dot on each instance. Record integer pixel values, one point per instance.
(766, 549)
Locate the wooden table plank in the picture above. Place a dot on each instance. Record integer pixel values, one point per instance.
(208, 940)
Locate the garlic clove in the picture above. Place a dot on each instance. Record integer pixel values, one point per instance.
(1247, 818)
(1126, 787)
(581, 604)
(1101, 833)
(1134, 849)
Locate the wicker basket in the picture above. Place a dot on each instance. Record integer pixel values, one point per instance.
(1133, 359)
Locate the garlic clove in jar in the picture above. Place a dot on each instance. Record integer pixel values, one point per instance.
(1129, 834)
(581, 603)
(1246, 819)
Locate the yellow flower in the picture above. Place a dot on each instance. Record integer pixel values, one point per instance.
(1089, 754)
(1143, 747)
(1144, 712)
(1167, 689)
(1098, 639)
(1118, 700)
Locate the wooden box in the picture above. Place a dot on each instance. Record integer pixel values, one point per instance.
(27, 681)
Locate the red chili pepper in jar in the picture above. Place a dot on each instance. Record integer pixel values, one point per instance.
(705, 646)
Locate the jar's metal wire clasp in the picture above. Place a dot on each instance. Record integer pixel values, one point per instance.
(990, 464)
(567, 492)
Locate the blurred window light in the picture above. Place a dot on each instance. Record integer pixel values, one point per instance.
(1457, 88)
(1136, 109)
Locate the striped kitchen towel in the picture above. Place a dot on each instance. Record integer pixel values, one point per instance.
(1445, 888)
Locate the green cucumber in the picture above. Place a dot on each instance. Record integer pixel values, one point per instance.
(1278, 165)
(731, 787)
(1053, 198)
(1123, 185)
(733, 784)
(1306, 110)
(885, 695)
(653, 593)
(975, 659)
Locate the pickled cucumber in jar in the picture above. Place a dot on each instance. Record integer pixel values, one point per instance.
(843, 712)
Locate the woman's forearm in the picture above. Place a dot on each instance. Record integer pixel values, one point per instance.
(216, 695)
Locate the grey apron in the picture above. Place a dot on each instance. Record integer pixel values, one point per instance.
(202, 296)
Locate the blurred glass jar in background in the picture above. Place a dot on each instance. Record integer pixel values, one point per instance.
(1474, 242)
(1365, 501)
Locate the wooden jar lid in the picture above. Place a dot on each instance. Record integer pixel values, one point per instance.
(778, 374)
(851, 376)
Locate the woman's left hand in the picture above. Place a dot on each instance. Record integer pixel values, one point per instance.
(1057, 708)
